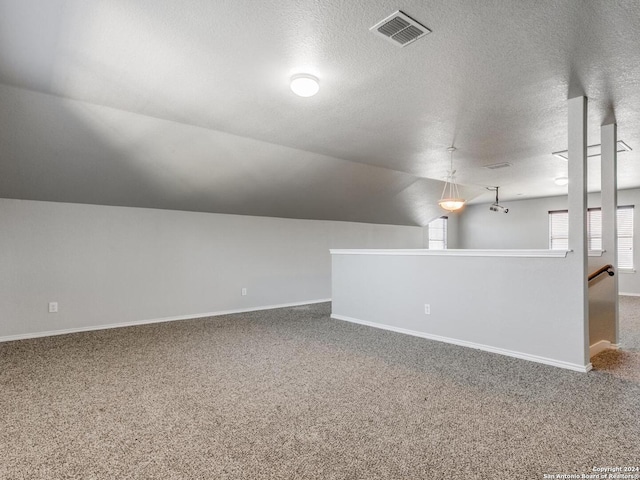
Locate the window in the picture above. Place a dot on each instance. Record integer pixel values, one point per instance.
(559, 232)
(625, 237)
(594, 229)
(438, 234)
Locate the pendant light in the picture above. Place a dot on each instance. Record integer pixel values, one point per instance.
(450, 199)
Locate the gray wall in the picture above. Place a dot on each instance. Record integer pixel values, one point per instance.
(602, 306)
(109, 265)
(527, 226)
(526, 307)
(453, 230)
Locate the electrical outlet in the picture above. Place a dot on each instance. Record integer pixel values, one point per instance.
(53, 307)
(244, 292)
(427, 309)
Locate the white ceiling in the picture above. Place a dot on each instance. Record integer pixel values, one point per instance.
(185, 104)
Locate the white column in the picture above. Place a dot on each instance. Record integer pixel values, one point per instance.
(577, 139)
(609, 182)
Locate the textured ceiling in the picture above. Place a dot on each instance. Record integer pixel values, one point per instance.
(186, 105)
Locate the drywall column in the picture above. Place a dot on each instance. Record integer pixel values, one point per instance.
(577, 139)
(609, 182)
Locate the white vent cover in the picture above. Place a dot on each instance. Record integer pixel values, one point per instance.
(496, 166)
(400, 29)
(594, 150)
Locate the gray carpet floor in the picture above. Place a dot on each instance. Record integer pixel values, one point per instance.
(293, 394)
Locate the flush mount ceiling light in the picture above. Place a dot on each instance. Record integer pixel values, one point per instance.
(450, 199)
(304, 85)
(594, 150)
(561, 181)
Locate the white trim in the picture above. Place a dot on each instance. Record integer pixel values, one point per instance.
(463, 343)
(601, 346)
(629, 294)
(626, 270)
(454, 252)
(26, 336)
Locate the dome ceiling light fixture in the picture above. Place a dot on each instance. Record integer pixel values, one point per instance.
(561, 181)
(450, 200)
(304, 85)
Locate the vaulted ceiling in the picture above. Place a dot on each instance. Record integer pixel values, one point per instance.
(186, 104)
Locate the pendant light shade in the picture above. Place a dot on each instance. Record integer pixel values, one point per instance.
(450, 200)
(451, 204)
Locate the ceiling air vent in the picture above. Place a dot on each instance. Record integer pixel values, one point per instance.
(496, 166)
(400, 29)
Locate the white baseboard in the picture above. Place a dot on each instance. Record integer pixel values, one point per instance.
(463, 343)
(625, 294)
(26, 336)
(598, 347)
(601, 346)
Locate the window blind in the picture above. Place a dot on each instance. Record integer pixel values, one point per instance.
(594, 229)
(438, 234)
(625, 237)
(559, 232)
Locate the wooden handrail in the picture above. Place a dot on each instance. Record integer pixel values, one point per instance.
(600, 271)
